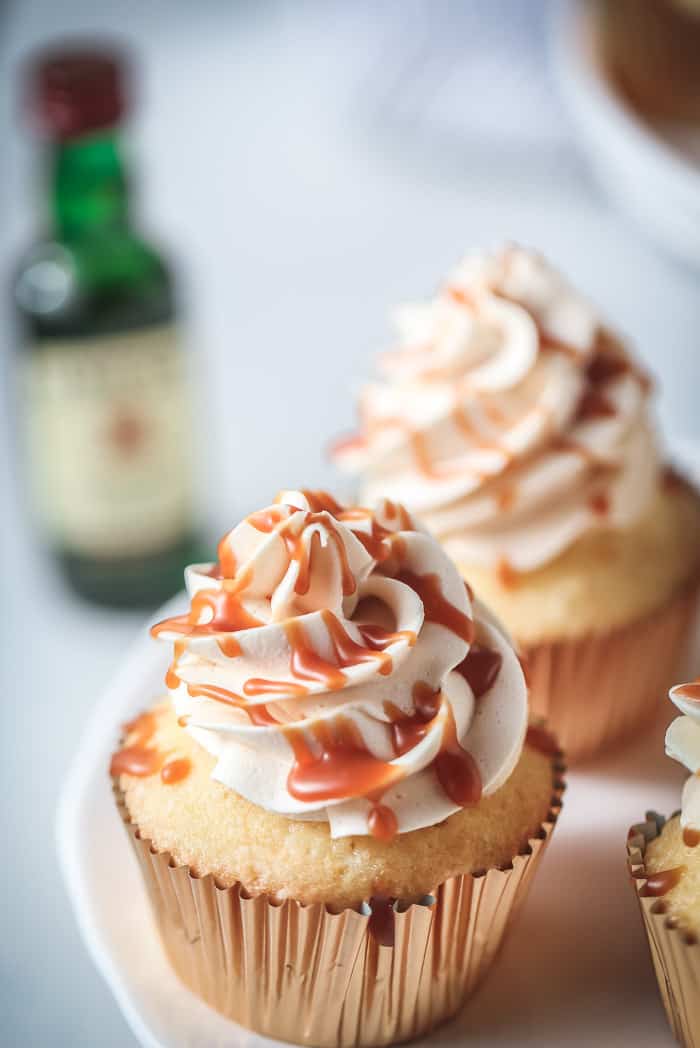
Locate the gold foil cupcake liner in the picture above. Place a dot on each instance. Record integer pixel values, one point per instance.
(306, 974)
(675, 954)
(599, 689)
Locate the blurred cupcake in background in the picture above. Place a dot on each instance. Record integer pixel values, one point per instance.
(337, 811)
(518, 428)
(664, 859)
(651, 51)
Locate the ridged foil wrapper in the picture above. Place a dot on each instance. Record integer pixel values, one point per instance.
(599, 689)
(675, 953)
(306, 974)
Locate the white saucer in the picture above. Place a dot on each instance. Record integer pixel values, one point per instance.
(575, 971)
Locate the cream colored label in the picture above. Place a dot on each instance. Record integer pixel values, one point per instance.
(109, 435)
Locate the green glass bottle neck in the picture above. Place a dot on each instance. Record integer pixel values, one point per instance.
(89, 189)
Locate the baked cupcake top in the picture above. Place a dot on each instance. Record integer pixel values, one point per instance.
(508, 417)
(338, 668)
(683, 744)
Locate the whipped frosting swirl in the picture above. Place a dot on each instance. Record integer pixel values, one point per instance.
(508, 417)
(683, 745)
(338, 668)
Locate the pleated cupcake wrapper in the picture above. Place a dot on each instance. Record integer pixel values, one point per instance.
(675, 953)
(597, 690)
(305, 974)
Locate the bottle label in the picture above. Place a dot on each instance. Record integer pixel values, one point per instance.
(109, 432)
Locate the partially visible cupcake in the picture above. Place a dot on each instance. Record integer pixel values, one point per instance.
(518, 427)
(336, 811)
(664, 860)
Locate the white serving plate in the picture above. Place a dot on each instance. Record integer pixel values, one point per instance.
(652, 173)
(575, 971)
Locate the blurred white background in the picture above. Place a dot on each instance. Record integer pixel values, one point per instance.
(307, 165)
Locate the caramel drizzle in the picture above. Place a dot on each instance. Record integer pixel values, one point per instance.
(480, 669)
(456, 770)
(275, 519)
(338, 766)
(663, 882)
(436, 606)
(508, 576)
(141, 758)
(225, 605)
(382, 823)
(307, 665)
(175, 770)
(600, 503)
(258, 714)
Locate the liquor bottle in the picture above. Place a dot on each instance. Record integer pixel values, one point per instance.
(105, 390)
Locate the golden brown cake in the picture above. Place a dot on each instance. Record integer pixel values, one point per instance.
(340, 771)
(211, 829)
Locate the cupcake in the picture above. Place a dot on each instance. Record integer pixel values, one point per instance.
(517, 426)
(335, 808)
(664, 860)
(650, 51)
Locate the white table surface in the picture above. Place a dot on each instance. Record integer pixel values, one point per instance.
(298, 212)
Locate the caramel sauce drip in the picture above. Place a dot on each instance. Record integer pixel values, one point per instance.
(259, 686)
(538, 738)
(226, 566)
(600, 503)
(691, 837)
(227, 561)
(456, 770)
(506, 498)
(337, 767)
(307, 665)
(607, 362)
(508, 576)
(437, 608)
(460, 296)
(480, 669)
(172, 680)
(139, 758)
(381, 922)
(377, 542)
(569, 446)
(266, 520)
(672, 480)
(407, 730)
(322, 502)
(274, 518)
(228, 613)
(382, 823)
(229, 647)
(259, 715)
(176, 770)
(689, 691)
(394, 511)
(663, 882)
(593, 405)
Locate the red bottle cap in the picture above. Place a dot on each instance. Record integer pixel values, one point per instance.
(76, 91)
